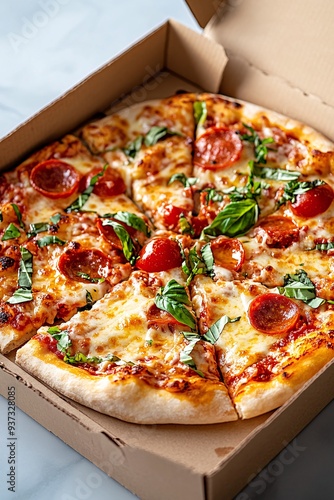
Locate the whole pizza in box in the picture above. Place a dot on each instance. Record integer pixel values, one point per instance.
(172, 262)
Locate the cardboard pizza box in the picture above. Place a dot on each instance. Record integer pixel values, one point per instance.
(274, 61)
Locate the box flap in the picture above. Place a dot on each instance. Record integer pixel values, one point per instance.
(203, 10)
(293, 41)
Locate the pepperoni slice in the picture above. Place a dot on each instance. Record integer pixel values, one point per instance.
(228, 253)
(278, 232)
(54, 179)
(217, 148)
(159, 254)
(109, 234)
(84, 265)
(273, 314)
(110, 184)
(314, 202)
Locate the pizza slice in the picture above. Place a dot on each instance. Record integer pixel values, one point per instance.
(279, 342)
(130, 357)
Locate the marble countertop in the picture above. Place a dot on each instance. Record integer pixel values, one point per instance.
(47, 46)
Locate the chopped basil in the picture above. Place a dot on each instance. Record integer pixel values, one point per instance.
(212, 195)
(55, 218)
(1, 216)
(185, 357)
(260, 145)
(83, 197)
(196, 264)
(299, 286)
(125, 239)
(213, 334)
(186, 181)
(172, 299)
(64, 341)
(200, 113)
(24, 293)
(11, 233)
(234, 220)
(293, 188)
(20, 295)
(152, 137)
(89, 302)
(50, 240)
(185, 226)
(134, 147)
(156, 133)
(131, 220)
(39, 227)
(324, 247)
(89, 278)
(18, 215)
(276, 174)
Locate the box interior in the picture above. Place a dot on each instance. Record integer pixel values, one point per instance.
(196, 461)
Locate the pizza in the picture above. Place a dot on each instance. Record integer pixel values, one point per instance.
(172, 262)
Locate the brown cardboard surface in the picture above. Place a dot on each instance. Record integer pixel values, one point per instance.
(164, 461)
(280, 55)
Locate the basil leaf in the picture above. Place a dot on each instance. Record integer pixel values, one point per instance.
(127, 243)
(64, 341)
(185, 226)
(172, 299)
(1, 216)
(131, 220)
(186, 181)
(212, 195)
(200, 113)
(89, 302)
(50, 240)
(89, 278)
(324, 247)
(293, 188)
(134, 147)
(260, 145)
(235, 219)
(208, 259)
(299, 286)
(185, 357)
(177, 292)
(84, 196)
(11, 233)
(214, 332)
(276, 174)
(20, 295)
(18, 215)
(156, 133)
(36, 228)
(55, 218)
(25, 269)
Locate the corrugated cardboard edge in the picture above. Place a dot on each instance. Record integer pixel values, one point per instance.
(204, 10)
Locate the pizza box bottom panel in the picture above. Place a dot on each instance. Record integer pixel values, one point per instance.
(204, 462)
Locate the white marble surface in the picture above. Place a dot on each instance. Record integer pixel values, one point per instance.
(46, 46)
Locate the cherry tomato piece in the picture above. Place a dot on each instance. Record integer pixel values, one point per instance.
(228, 253)
(109, 234)
(54, 179)
(157, 316)
(273, 314)
(171, 215)
(110, 184)
(84, 265)
(278, 232)
(217, 148)
(314, 202)
(159, 254)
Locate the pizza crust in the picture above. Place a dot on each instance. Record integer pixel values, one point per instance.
(130, 399)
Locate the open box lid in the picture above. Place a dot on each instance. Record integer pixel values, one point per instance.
(281, 54)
